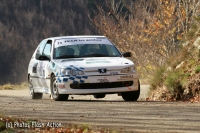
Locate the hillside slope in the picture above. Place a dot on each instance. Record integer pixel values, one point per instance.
(180, 77)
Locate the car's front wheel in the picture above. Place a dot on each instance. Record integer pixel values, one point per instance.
(54, 91)
(131, 95)
(33, 95)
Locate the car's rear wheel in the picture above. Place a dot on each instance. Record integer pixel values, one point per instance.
(54, 91)
(99, 95)
(33, 95)
(131, 95)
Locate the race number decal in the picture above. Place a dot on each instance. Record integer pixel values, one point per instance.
(125, 77)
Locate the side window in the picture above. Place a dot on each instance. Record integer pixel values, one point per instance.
(40, 49)
(47, 50)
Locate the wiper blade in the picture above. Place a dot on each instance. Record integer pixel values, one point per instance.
(65, 56)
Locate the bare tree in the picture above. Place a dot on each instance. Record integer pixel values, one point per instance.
(152, 31)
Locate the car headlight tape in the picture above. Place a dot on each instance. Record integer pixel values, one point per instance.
(128, 70)
(75, 72)
(80, 73)
(63, 71)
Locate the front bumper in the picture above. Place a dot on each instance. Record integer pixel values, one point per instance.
(97, 84)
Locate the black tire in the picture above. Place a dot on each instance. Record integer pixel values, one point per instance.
(54, 91)
(33, 95)
(99, 95)
(131, 95)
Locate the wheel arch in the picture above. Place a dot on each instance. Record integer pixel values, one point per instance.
(28, 76)
(52, 74)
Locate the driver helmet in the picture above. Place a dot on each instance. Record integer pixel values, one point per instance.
(93, 48)
(62, 51)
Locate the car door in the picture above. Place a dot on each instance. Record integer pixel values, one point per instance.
(43, 67)
(34, 67)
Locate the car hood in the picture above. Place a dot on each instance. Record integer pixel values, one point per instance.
(94, 63)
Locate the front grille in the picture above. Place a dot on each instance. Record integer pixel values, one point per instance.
(101, 85)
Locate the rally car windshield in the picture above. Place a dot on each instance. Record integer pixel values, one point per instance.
(71, 48)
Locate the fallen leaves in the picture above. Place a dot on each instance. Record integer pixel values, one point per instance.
(195, 99)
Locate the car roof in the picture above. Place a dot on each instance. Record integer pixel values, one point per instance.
(83, 36)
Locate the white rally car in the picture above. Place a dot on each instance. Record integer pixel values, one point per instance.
(81, 65)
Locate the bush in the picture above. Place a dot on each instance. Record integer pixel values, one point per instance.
(174, 83)
(172, 80)
(197, 69)
(158, 78)
(9, 86)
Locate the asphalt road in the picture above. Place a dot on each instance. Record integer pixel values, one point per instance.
(111, 112)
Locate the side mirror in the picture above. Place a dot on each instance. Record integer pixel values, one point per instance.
(43, 58)
(127, 54)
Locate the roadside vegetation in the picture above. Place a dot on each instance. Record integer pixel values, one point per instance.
(179, 78)
(9, 86)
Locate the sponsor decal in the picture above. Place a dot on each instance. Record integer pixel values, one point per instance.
(78, 40)
(66, 60)
(34, 70)
(126, 77)
(61, 86)
(103, 80)
(91, 62)
(75, 41)
(40, 65)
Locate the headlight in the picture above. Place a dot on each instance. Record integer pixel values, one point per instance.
(75, 72)
(128, 70)
(63, 71)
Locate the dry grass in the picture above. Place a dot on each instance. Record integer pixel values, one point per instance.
(9, 86)
(181, 78)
